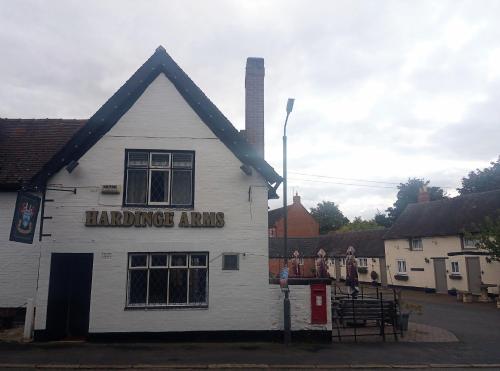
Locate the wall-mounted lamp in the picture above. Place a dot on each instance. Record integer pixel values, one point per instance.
(427, 260)
(71, 166)
(246, 169)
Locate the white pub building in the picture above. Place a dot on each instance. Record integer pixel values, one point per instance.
(153, 220)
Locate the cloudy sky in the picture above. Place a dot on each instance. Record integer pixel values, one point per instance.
(384, 90)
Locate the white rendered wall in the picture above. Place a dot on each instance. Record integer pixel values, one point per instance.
(18, 261)
(161, 119)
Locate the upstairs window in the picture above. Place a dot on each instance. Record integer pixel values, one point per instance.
(470, 243)
(159, 178)
(416, 244)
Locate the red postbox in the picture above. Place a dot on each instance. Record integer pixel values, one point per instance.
(318, 303)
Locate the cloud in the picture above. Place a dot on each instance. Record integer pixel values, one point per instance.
(384, 90)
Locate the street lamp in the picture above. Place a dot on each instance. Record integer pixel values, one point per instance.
(286, 301)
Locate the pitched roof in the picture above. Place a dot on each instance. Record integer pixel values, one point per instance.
(26, 145)
(445, 217)
(109, 114)
(368, 243)
(274, 215)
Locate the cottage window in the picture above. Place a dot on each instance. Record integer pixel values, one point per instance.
(401, 266)
(363, 262)
(230, 262)
(470, 243)
(167, 279)
(272, 232)
(455, 269)
(159, 178)
(416, 244)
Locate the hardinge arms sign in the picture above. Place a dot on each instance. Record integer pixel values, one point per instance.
(159, 219)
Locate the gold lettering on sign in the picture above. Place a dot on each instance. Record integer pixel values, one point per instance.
(128, 219)
(91, 218)
(147, 219)
(103, 220)
(168, 221)
(137, 219)
(116, 218)
(184, 222)
(219, 223)
(158, 219)
(209, 219)
(194, 219)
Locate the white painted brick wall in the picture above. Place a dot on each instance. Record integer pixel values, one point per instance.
(161, 119)
(18, 261)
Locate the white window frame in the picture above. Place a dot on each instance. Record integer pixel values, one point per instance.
(469, 246)
(403, 264)
(455, 267)
(148, 267)
(149, 168)
(361, 261)
(419, 244)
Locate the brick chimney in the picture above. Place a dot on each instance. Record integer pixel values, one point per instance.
(254, 103)
(296, 198)
(423, 195)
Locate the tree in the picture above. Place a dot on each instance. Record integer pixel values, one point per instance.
(382, 220)
(329, 217)
(408, 193)
(484, 180)
(358, 224)
(489, 236)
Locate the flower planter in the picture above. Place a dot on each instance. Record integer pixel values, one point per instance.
(362, 270)
(455, 276)
(401, 277)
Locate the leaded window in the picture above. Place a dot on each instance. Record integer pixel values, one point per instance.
(159, 178)
(167, 279)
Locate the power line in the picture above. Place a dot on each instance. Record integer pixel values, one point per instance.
(334, 177)
(356, 180)
(339, 183)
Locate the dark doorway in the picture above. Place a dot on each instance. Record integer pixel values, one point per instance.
(473, 274)
(70, 286)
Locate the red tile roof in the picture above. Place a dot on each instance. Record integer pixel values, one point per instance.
(28, 144)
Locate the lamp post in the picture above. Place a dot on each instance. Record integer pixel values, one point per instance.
(286, 301)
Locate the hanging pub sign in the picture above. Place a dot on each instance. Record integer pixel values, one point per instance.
(25, 216)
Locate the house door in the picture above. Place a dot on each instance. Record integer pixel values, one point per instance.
(383, 272)
(68, 304)
(440, 275)
(337, 269)
(473, 275)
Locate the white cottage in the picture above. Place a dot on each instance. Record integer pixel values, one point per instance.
(154, 222)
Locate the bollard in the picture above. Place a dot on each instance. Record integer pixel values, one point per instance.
(28, 320)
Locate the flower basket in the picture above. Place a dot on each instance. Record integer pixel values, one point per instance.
(455, 276)
(401, 277)
(362, 270)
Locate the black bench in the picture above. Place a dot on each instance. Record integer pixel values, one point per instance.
(365, 312)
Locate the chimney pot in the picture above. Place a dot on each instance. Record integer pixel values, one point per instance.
(423, 195)
(296, 198)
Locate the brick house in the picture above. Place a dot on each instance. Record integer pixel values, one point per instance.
(300, 222)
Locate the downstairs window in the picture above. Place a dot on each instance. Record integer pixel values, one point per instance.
(167, 279)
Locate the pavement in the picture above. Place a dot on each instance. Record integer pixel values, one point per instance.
(475, 344)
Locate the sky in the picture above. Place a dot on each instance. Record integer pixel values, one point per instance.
(384, 90)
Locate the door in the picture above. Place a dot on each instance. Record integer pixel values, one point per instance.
(383, 272)
(440, 275)
(473, 274)
(68, 304)
(337, 269)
